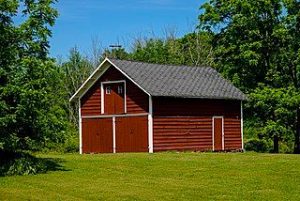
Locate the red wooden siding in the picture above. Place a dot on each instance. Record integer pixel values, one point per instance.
(136, 99)
(194, 107)
(97, 135)
(232, 130)
(90, 102)
(186, 124)
(182, 133)
(132, 134)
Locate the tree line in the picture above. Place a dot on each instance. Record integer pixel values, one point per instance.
(254, 44)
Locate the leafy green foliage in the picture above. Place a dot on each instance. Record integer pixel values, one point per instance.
(14, 163)
(257, 43)
(245, 41)
(32, 112)
(275, 110)
(258, 145)
(74, 72)
(192, 49)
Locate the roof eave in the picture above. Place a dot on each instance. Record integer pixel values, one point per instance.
(90, 80)
(98, 72)
(203, 97)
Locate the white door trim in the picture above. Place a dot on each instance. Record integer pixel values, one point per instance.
(213, 131)
(102, 93)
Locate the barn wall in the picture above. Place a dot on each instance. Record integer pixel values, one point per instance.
(136, 99)
(232, 130)
(182, 133)
(186, 124)
(194, 107)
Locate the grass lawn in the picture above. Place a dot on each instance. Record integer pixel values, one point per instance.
(161, 176)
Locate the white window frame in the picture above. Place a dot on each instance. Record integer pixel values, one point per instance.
(102, 93)
(213, 132)
(107, 90)
(120, 89)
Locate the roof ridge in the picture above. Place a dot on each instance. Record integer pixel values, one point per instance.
(172, 65)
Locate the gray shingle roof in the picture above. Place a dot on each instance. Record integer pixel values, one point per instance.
(179, 81)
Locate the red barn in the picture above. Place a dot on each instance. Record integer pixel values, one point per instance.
(128, 106)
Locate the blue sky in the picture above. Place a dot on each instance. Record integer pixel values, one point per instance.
(118, 21)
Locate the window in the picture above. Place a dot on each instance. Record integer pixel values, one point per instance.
(120, 89)
(107, 90)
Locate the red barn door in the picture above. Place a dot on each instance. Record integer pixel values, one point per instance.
(114, 98)
(218, 133)
(97, 135)
(132, 134)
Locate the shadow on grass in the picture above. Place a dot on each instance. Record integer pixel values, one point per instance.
(20, 163)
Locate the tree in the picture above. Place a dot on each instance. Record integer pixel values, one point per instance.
(274, 109)
(290, 55)
(192, 49)
(258, 42)
(196, 49)
(245, 41)
(117, 53)
(75, 71)
(9, 38)
(31, 107)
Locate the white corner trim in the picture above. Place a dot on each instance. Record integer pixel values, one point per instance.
(213, 132)
(114, 134)
(80, 127)
(242, 126)
(150, 126)
(102, 94)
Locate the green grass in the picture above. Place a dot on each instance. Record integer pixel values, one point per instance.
(161, 176)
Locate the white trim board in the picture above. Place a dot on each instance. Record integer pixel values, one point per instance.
(114, 115)
(213, 132)
(102, 94)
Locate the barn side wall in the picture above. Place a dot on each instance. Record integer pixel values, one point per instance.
(186, 124)
(136, 99)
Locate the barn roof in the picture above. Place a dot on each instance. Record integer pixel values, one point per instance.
(173, 81)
